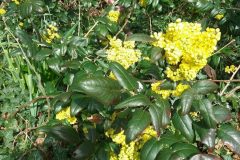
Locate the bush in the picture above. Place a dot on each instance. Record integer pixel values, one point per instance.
(127, 79)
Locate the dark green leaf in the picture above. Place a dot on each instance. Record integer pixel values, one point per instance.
(105, 90)
(84, 151)
(206, 111)
(156, 116)
(184, 125)
(156, 54)
(207, 136)
(221, 114)
(140, 37)
(65, 133)
(150, 149)
(205, 86)
(134, 101)
(186, 101)
(139, 121)
(124, 78)
(27, 7)
(205, 157)
(184, 150)
(230, 137)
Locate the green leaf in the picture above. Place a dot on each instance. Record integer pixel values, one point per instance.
(205, 86)
(27, 7)
(26, 40)
(205, 157)
(156, 116)
(166, 110)
(105, 90)
(186, 101)
(69, 33)
(178, 150)
(64, 98)
(42, 54)
(230, 137)
(207, 136)
(164, 154)
(84, 151)
(206, 111)
(184, 125)
(77, 104)
(184, 150)
(139, 121)
(150, 149)
(134, 101)
(65, 133)
(124, 78)
(221, 114)
(160, 114)
(156, 54)
(140, 37)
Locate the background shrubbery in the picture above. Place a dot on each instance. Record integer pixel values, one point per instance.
(63, 97)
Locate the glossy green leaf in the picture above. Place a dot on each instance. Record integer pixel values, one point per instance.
(221, 114)
(177, 151)
(140, 37)
(206, 110)
(105, 90)
(184, 150)
(186, 101)
(84, 151)
(184, 125)
(230, 137)
(77, 105)
(156, 53)
(124, 78)
(205, 86)
(27, 7)
(166, 110)
(207, 136)
(139, 121)
(150, 149)
(134, 101)
(205, 157)
(65, 133)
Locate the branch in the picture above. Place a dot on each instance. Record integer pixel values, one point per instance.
(29, 103)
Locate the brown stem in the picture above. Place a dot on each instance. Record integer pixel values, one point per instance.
(29, 103)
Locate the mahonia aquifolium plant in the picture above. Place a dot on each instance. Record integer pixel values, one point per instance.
(129, 151)
(186, 48)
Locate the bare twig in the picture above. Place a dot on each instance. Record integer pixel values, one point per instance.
(224, 89)
(226, 81)
(79, 17)
(29, 103)
(125, 23)
(232, 91)
(224, 47)
(90, 30)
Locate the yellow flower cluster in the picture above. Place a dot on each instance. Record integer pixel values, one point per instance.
(230, 69)
(143, 3)
(123, 52)
(113, 15)
(129, 151)
(187, 48)
(219, 16)
(51, 33)
(17, 2)
(64, 114)
(180, 88)
(2, 11)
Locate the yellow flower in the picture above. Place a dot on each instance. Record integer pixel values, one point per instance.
(64, 114)
(180, 89)
(21, 24)
(129, 151)
(50, 33)
(2, 11)
(143, 3)
(230, 69)
(16, 2)
(123, 52)
(187, 48)
(156, 88)
(113, 15)
(219, 16)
